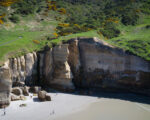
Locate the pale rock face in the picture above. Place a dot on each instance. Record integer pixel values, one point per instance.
(14, 97)
(54, 69)
(62, 75)
(74, 60)
(24, 69)
(107, 66)
(17, 91)
(5, 84)
(82, 63)
(31, 68)
(14, 70)
(48, 66)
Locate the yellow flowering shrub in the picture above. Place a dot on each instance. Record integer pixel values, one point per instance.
(36, 41)
(52, 7)
(55, 34)
(1, 21)
(63, 24)
(7, 3)
(2, 16)
(62, 11)
(76, 25)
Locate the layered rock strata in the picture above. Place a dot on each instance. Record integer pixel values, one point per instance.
(78, 63)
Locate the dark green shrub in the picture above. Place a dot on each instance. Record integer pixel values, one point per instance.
(110, 31)
(130, 18)
(14, 18)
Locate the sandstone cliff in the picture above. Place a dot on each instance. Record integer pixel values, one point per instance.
(78, 63)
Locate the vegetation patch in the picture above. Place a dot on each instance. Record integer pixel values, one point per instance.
(29, 25)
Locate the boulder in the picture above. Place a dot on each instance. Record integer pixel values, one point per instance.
(22, 97)
(35, 89)
(25, 91)
(17, 91)
(42, 95)
(14, 97)
(48, 97)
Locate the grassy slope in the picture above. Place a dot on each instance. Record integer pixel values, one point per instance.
(92, 33)
(135, 39)
(18, 39)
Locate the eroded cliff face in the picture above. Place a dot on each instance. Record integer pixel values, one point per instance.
(17, 72)
(78, 63)
(54, 68)
(5, 85)
(106, 66)
(23, 70)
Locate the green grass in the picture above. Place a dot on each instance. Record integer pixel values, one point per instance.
(135, 39)
(18, 40)
(92, 33)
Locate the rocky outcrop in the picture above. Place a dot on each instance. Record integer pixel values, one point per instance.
(17, 72)
(31, 68)
(43, 96)
(78, 63)
(25, 91)
(54, 68)
(45, 66)
(104, 66)
(16, 97)
(34, 89)
(24, 70)
(62, 75)
(93, 63)
(17, 91)
(5, 85)
(74, 61)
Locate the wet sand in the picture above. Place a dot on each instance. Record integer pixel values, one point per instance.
(112, 109)
(77, 107)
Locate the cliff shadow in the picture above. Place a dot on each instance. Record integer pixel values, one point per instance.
(133, 97)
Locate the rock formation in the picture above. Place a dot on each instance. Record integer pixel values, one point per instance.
(43, 96)
(106, 66)
(54, 68)
(5, 85)
(77, 63)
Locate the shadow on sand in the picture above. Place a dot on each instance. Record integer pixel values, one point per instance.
(36, 99)
(127, 96)
(119, 95)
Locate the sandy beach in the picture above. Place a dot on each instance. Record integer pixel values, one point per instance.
(111, 109)
(76, 107)
(61, 105)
